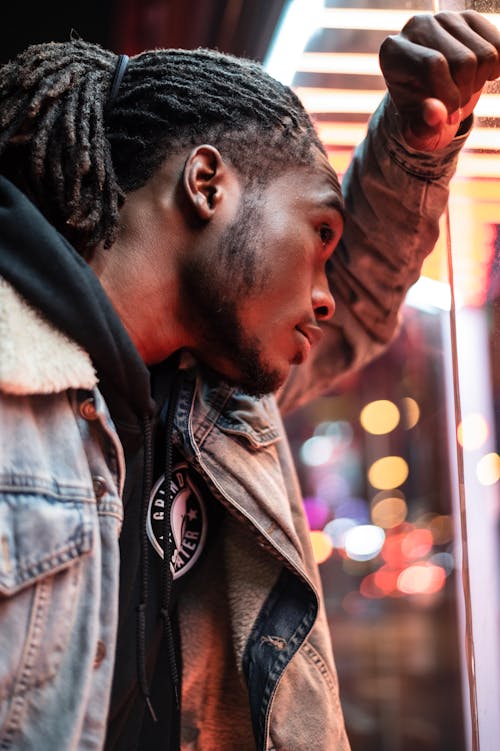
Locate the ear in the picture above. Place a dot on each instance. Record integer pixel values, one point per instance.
(205, 180)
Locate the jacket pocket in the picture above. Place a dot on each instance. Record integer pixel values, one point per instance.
(38, 537)
(42, 543)
(306, 711)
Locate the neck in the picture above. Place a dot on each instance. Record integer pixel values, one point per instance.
(140, 279)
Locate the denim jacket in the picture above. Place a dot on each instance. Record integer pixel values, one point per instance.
(258, 670)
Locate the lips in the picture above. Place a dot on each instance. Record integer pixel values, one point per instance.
(309, 336)
(312, 332)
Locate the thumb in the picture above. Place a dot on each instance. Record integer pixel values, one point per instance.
(432, 127)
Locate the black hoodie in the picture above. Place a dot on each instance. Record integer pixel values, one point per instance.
(48, 272)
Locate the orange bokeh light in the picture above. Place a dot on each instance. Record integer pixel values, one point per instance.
(388, 472)
(421, 578)
(473, 432)
(321, 545)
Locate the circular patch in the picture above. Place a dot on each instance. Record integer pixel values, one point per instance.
(188, 520)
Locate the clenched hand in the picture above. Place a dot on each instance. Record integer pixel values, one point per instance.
(435, 70)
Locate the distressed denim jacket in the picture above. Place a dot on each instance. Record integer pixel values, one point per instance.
(258, 671)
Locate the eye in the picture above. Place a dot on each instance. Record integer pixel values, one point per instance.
(326, 234)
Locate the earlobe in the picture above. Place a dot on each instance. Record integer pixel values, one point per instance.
(203, 180)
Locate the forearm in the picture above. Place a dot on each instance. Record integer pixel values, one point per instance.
(394, 198)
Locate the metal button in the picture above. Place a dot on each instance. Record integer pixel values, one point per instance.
(87, 409)
(99, 485)
(100, 653)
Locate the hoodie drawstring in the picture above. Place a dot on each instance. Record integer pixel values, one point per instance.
(141, 608)
(167, 551)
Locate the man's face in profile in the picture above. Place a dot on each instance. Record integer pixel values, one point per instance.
(258, 299)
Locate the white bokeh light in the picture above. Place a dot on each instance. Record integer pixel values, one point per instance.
(364, 542)
(317, 450)
(337, 530)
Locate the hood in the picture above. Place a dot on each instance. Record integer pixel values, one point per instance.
(48, 272)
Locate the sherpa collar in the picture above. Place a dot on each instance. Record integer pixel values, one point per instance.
(36, 358)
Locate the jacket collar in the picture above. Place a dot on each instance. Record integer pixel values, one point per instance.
(36, 358)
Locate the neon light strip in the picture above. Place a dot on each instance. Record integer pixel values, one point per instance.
(376, 20)
(347, 100)
(350, 134)
(336, 62)
(339, 100)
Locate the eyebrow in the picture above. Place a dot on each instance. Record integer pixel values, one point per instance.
(334, 202)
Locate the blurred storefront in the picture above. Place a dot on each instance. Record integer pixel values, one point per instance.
(400, 465)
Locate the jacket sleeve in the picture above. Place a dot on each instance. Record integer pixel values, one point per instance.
(394, 198)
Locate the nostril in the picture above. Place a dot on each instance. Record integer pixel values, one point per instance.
(322, 312)
(322, 302)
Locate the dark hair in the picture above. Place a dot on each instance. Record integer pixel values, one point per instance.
(77, 156)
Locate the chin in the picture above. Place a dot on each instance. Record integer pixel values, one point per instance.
(256, 381)
(266, 381)
(248, 371)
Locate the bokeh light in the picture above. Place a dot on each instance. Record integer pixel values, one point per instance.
(337, 529)
(445, 560)
(421, 578)
(317, 450)
(321, 545)
(379, 417)
(364, 542)
(488, 469)
(339, 431)
(441, 527)
(317, 512)
(392, 552)
(353, 508)
(417, 544)
(369, 588)
(386, 579)
(472, 432)
(389, 509)
(331, 485)
(410, 412)
(388, 472)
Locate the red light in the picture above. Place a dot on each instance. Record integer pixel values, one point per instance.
(417, 544)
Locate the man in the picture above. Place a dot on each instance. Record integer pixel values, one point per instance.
(167, 230)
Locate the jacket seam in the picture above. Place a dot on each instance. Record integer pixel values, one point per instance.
(315, 658)
(13, 720)
(72, 494)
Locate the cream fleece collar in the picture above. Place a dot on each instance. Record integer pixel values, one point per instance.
(36, 358)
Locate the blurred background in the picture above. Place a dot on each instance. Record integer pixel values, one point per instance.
(400, 465)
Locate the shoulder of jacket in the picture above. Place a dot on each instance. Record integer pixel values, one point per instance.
(35, 357)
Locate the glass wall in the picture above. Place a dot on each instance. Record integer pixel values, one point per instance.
(400, 466)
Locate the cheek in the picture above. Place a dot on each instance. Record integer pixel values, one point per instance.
(288, 275)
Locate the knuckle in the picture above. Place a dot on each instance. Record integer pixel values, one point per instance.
(463, 64)
(388, 45)
(388, 50)
(488, 56)
(445, 15)
(470, 15)
(417, 25)
(435, 64)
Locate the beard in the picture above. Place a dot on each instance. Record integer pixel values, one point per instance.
(213, 287)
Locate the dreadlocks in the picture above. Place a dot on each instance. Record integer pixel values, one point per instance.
(77, 156)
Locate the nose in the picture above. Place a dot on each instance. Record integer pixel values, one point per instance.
(323, 302)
